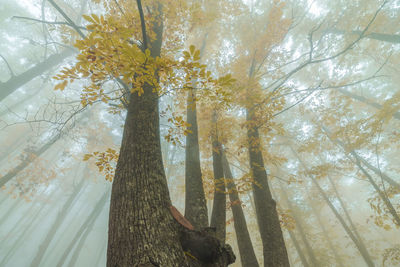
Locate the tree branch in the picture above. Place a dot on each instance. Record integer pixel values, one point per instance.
(142, 22)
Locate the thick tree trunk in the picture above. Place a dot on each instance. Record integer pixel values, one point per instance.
(218, 216)
(274, 249)
(247, 255)
(195, 201)
(15, 82)
(142, 231)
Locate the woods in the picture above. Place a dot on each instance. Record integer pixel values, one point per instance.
(199, 133)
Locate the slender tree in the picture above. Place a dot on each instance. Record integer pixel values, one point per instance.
(246, 250)
(218, 216)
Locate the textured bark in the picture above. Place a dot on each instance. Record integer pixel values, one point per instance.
(195, 201)
(218, 215)
(142, 231)
(247, 255)
(274, 249)
(64, 211)
(17, 81)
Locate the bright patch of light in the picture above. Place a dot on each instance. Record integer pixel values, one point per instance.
(314, 9)
(288, 44)
(306, 128)
(349, 181)
(117, 132)
(249, 2)
(29, 5)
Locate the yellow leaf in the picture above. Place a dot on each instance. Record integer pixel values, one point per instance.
(86, 17)
(186, 54)
(196, 55)
(61, 86)
(87, 157)
(192, 49)
(96, 18)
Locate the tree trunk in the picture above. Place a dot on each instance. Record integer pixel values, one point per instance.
(218, 216)
(142, 231)
(247, 255)
(195, 201)
(274, 249)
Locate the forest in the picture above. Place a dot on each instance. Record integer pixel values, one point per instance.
(199, 133)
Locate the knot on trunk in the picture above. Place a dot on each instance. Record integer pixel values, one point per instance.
(202, 247)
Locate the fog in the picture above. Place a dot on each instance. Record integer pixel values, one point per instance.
(309, 88)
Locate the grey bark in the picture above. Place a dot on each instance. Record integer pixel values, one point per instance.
(218, 216)
(142, 230)
(274, 249)
(247, 255)
(195, 201)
